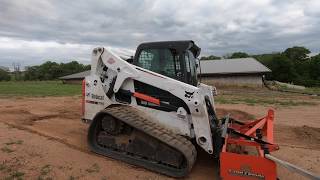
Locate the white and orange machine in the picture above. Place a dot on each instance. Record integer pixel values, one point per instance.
(150, 110)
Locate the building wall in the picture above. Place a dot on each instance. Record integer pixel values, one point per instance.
(234, 80)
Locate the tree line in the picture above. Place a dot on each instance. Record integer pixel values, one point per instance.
(46, 71)
(291, 66)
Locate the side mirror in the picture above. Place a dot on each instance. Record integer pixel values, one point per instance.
(214, 91)
(130, 60)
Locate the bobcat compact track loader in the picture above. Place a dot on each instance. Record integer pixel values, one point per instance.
(150, 110)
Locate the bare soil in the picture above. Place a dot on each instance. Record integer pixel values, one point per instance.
(43, 138)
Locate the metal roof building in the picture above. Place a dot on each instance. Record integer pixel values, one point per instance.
(233, 66)
(75, 78)
(241, 71)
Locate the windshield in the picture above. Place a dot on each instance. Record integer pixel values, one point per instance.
(162, 61)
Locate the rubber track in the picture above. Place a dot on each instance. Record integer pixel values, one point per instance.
(140, 121)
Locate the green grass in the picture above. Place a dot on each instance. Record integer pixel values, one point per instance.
(14, 142)
(44, 171)
(265, 97)
(7, 150)
(38, 88)
(308, 90)
(224, 99)
(15, 175)
(2, 167)
(72, 178)
(93, 169)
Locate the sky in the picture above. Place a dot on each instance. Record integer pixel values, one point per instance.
(33, 31)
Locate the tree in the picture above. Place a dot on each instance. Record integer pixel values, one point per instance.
(31, 73)
(211, 57)
(239, 55)
(297, 53)
(314, 68)
(51, 70)
(4, 75)
(282, 69)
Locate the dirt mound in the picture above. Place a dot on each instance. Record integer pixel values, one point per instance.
(303, 137)
(306, 132)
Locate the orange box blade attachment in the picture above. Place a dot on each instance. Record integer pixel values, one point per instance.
(243, 167)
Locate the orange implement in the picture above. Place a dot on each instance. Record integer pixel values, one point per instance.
(257, 134)
(242, 167)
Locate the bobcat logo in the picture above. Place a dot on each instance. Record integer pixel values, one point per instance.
(188, 94)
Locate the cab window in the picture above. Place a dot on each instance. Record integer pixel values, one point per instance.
(162, 61)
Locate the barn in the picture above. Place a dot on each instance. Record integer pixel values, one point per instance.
(230, 72)
(233, 72)
(74, 78)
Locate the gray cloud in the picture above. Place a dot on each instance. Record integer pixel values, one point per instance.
(32, 31)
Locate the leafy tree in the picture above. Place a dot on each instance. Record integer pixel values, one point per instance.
(297, 53)
(314, 67)
(52, 70)
(239, 55)
(48, 70)
(4, 75)
(211, 57)
(282, 69)
(265, 58)
(31, 73)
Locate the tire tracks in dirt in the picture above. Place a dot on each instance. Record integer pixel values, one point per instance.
(24, 128)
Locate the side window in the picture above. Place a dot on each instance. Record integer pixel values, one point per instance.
(193, 68)
(187, 60)
(145, 59)
(168, 62)
(163, 61)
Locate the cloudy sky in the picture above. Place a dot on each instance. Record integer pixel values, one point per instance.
(32, 31)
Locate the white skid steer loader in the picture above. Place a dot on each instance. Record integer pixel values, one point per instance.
(151, 111)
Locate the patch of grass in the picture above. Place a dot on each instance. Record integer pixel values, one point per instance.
(250, 101)
(42, 178)
(14, 142)
(38, 88)
(45, 170)
(309, 90)
(228, 99)
(2, 167)
(94, 168)
(73, 178)
(7, 150)
(223, 100)
(16, 175)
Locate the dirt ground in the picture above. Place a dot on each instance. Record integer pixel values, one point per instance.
(43, 138)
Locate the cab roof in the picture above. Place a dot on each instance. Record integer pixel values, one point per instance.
(178, 45)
